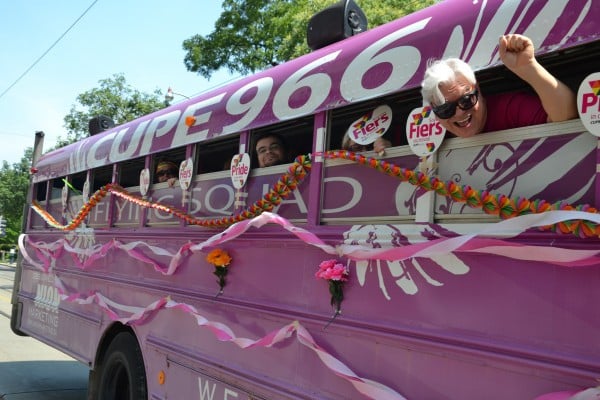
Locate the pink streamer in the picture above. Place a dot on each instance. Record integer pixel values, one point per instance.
(369, 388)
(474, 243)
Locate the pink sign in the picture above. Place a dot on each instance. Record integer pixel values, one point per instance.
(423, 131)
(588, 103)
(144, 181)
(240, 169)
(186, 172)
(371, 126)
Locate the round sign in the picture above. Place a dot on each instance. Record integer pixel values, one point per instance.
(85, 192)
(64, 195)
(144, 181)
(186, 172)
(423, 131)
(588, 103)
(240, 169)
(370, 126)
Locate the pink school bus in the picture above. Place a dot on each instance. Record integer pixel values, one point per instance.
(337, 275)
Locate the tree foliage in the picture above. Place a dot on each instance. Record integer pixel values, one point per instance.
(14, 182)
(114, 98)
(251, 35)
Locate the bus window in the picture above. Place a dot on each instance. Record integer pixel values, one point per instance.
(57, 188)
(216, 156)
(129, 172)
(41, 189)
(170, 161)
(297, 137)
(101, 176)
(401, 106)
(40, 192)
(76, 183)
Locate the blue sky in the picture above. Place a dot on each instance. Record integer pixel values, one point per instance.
(139, 38)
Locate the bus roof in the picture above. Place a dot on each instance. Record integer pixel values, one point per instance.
(387, 59)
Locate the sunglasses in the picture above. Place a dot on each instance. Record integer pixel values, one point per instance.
(448, 109)
(166, 172)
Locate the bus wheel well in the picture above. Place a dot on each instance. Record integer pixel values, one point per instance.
(119, 372)
(108, 337)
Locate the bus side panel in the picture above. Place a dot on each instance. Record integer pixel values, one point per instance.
(559, 168)
(359, 191)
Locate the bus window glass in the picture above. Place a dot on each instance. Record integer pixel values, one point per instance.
(101, 176)
(166, 165)
(216, 156)
(41, 189)
(57, 188)
(129, 172)
(348, 188)
(166, 188)
(344, 119)
(297, 138)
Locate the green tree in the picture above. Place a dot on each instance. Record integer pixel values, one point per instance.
(251, 35)
(14, 182)
(115, 99)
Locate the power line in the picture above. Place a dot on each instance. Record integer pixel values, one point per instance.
(47, 51)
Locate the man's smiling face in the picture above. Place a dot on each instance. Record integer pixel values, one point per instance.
(464, 123)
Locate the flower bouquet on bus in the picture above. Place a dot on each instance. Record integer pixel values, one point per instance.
(336, 274)
(221, 260)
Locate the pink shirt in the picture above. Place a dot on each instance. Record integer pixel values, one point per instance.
(513, 110)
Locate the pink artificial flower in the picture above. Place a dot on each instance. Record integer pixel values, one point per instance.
(332, 270)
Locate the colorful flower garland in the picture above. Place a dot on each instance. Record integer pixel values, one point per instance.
(501, 205)
(282, 189)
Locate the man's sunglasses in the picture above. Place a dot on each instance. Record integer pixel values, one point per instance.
(165, 172)
(448, 109)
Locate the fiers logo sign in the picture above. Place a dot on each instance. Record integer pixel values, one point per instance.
(588, 103)
(371, 126)
(424, 132)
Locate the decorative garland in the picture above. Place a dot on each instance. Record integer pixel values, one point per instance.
(282, 189)
(501, 205)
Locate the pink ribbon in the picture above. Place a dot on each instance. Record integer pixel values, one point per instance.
(472, 243)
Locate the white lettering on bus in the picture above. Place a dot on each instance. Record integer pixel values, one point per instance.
(99, 210)
(353, 201)
(182, 135)
(295, 198)
(47, 297)
(120, 207)
(118, 154)
(205, 392)
(92, 161)
(351, 86)
(166, 199)
(224, 209)
(319, 85)
(159, 127)
(251, 107)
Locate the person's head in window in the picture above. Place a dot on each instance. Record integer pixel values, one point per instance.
(166, 170)
(451, 89)
(449, 86)
(271, 150)
(379, 145)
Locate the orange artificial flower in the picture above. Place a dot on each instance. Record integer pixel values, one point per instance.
(218, 258)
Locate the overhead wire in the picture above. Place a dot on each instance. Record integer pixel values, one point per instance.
(48, 50)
